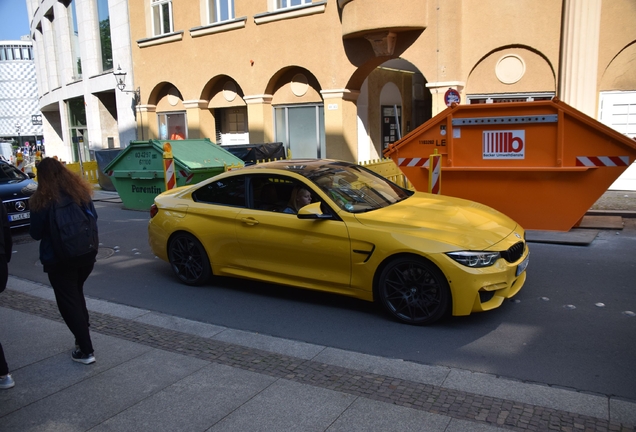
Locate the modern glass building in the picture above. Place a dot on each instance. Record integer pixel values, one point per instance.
(20, 116)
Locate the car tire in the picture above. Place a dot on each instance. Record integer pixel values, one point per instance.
(188, 259)
(413, 291)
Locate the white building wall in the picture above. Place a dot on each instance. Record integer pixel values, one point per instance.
(55, 61)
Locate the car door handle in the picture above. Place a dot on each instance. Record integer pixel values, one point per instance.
(249, 221)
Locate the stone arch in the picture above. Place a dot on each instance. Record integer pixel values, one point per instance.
(512, 69)
(166, 96)
(620, 72)
(409, 92)
(294, 85)
(223, 91)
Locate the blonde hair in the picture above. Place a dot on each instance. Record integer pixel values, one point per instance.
(293, 199)
(55, 179)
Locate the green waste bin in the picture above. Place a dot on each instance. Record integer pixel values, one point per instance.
(137, 171)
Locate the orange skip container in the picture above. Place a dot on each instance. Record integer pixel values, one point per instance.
(542, 163)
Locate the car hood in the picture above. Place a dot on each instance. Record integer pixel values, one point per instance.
(17, 189)
(465, 224)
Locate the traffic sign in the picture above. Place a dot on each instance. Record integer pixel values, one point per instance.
(451, 96)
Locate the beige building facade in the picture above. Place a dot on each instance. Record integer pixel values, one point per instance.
(342, 79)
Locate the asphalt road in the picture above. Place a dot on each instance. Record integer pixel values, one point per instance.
(572, 325)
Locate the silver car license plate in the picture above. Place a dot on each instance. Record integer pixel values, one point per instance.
(19, 216)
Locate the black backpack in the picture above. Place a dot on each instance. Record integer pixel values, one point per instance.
(73, 229)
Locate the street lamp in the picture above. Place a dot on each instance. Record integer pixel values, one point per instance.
(18, 128)
(120, 78)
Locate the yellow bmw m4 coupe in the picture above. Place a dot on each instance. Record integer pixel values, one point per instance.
(335, 226)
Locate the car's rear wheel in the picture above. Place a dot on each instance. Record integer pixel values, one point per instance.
(188, 259)
(414, 291)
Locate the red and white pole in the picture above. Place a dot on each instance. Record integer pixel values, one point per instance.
(168, 167)
(435, 173)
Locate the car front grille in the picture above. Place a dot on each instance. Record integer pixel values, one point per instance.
(514, 252)
(17, 205)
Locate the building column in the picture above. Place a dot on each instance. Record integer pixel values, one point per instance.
(578, 73)
(48, 37)
(194, 109)
(147, 125)
(341, 124)
(439, 89)
(260, 118)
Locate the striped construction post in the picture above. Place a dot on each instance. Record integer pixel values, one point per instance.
(168, 167)
(435, 173)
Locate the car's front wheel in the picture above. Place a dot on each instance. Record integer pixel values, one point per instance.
(188, 259)
(413, 291)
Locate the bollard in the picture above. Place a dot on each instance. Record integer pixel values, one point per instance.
(435, 173)
(168, 167)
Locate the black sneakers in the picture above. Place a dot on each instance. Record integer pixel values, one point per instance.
(78, 356)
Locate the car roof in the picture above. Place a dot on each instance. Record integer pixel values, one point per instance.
(304, 167)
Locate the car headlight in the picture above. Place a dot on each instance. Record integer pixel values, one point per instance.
(475, 259)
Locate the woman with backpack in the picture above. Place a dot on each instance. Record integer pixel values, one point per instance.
(6, 247)
(67, 257)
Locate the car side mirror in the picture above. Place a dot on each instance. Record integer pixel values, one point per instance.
(312, 211)
(31, 175)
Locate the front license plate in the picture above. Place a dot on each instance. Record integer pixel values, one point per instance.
(19, 216)
(523, 265)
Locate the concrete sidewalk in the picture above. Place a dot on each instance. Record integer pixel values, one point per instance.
(161, 373)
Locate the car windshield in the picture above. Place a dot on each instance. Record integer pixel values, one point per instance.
(9, 173)
(354, 188)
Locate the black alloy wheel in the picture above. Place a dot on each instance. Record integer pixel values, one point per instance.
(414, 291)
(189, 260)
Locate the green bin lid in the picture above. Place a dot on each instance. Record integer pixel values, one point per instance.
(191, 154)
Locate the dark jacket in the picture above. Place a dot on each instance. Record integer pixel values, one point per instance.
(6, 241)
(40, 230)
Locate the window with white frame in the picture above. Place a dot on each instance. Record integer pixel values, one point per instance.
(282, 4)
(220, 10)
(161, 17)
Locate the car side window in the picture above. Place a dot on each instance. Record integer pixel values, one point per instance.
(229, 191)
(270, 192)
(9, 172)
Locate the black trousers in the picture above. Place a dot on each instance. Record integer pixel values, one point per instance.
(4, 277)
(68, 285)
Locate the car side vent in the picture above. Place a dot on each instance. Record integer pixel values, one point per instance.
(514, 253)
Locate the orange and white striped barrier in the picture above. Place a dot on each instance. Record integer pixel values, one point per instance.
(168, 167)
(434, 173)
(188, 177)
(413, 162)
(592, 161)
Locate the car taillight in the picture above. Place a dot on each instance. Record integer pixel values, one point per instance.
(153, 210)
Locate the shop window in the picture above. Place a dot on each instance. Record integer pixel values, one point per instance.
(301, 129)
(78, 131)
(220, 10)
(232, 126)
(172, 126)
(161, 17)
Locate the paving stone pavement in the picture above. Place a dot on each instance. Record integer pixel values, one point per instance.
(288, 386)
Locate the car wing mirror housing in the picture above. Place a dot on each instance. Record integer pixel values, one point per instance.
(312, 211)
